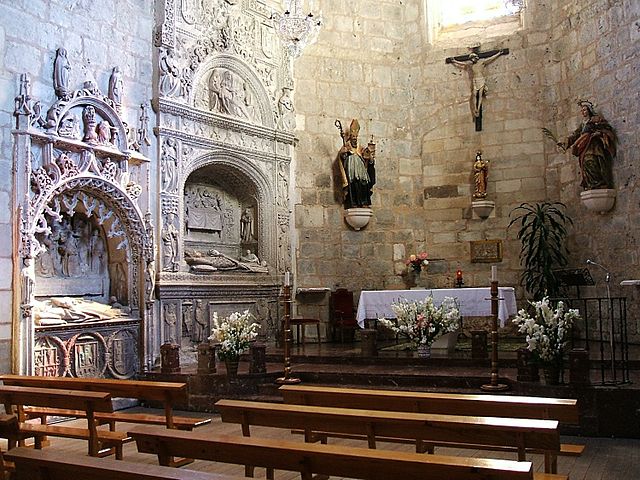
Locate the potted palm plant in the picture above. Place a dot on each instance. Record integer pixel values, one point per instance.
(542, 232)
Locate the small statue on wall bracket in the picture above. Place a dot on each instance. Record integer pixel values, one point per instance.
(356, 167)
(480, 175)
(594, 143)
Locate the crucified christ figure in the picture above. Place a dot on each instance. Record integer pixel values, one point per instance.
(474, 64)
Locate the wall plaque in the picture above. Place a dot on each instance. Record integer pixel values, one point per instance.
(486, 251)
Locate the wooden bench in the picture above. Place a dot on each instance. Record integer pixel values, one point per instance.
(332, 460)
(561, 409)
(166, 393)
(51, 465)
(424, 430)
(100, 442)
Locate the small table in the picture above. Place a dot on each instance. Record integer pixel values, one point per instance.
(302, 323)
(471, 301)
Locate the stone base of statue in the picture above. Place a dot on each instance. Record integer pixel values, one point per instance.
(600, 200)
(358, 218)
(482, 208)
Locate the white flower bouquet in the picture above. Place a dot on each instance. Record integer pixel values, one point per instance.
(233, 333)
(421, 321)
(548, 331)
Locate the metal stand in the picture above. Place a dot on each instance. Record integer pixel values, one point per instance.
(494, 386)
(288, 339)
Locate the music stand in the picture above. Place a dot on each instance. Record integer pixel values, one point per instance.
(574, 277)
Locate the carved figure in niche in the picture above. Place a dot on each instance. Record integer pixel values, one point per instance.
(246, 226)
(118, 276)
(480, 175)
(97, 252)
(116, 87)
(150, 280)
(286, 109)
(283, 184)
(89, 119)
(249, 257)
(594, 143)
(69, 126)
(357, 167)
(61, 70)
(169, 237)
(169, 73)
(200, 323)
(169, 165)
(28, 280)
(474, 66)
(170, 320)
(104, 133)
(187, 319)
(44, 261)
(143, 129)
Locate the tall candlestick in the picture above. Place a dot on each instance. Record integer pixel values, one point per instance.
(494, 273)
(287, 278)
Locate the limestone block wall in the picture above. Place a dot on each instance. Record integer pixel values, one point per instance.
(593, 54)
(97, 36)
(374, 62)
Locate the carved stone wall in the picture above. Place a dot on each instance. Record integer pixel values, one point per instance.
(83, 242)
(225, 148)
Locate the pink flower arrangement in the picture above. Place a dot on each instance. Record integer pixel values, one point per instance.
(418, 261)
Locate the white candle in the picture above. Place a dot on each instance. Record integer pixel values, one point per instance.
(494, 273)
(287, 278)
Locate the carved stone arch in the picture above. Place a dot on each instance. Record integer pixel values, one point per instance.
(103, 109)
(244, 71)
(235, 165)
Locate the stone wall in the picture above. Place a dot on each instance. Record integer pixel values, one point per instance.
(98, 35)
(374, 63)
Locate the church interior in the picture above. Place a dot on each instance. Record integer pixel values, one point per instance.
(219, 201)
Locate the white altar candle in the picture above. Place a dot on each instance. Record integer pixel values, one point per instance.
(494, 273)
(287, 278)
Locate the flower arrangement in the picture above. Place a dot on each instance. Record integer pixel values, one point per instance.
(233, 333)
(421, 321)
(548, 331)
(417, 261)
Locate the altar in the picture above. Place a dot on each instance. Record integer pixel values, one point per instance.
(475, 302)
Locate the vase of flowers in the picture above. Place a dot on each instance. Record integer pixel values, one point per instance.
(422, 322)
(548, 332)
(415, 264)
(233, 334)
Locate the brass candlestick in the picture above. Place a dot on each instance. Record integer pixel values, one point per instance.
(286, 298)
(494, 386)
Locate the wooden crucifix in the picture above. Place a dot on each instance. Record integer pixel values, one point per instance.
(474, 64)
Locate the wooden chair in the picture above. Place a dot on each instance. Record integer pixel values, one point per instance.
(342, 314)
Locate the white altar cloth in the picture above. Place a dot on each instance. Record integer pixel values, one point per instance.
(472, 302)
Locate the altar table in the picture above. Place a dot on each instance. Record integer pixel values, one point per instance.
(471, 301)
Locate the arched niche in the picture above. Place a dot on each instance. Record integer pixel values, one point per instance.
(226, 85)
(229, 186)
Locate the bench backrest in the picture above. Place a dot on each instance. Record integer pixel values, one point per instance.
(172, 392)
(340, 461)
(45, 397)
(563, 410)
(523, 433)
(31, 464)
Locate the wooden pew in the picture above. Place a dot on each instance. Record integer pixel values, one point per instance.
(425, 430)
(332, 460)
(167, 393)
(51, 465)
(561, 409)
(15, 398)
